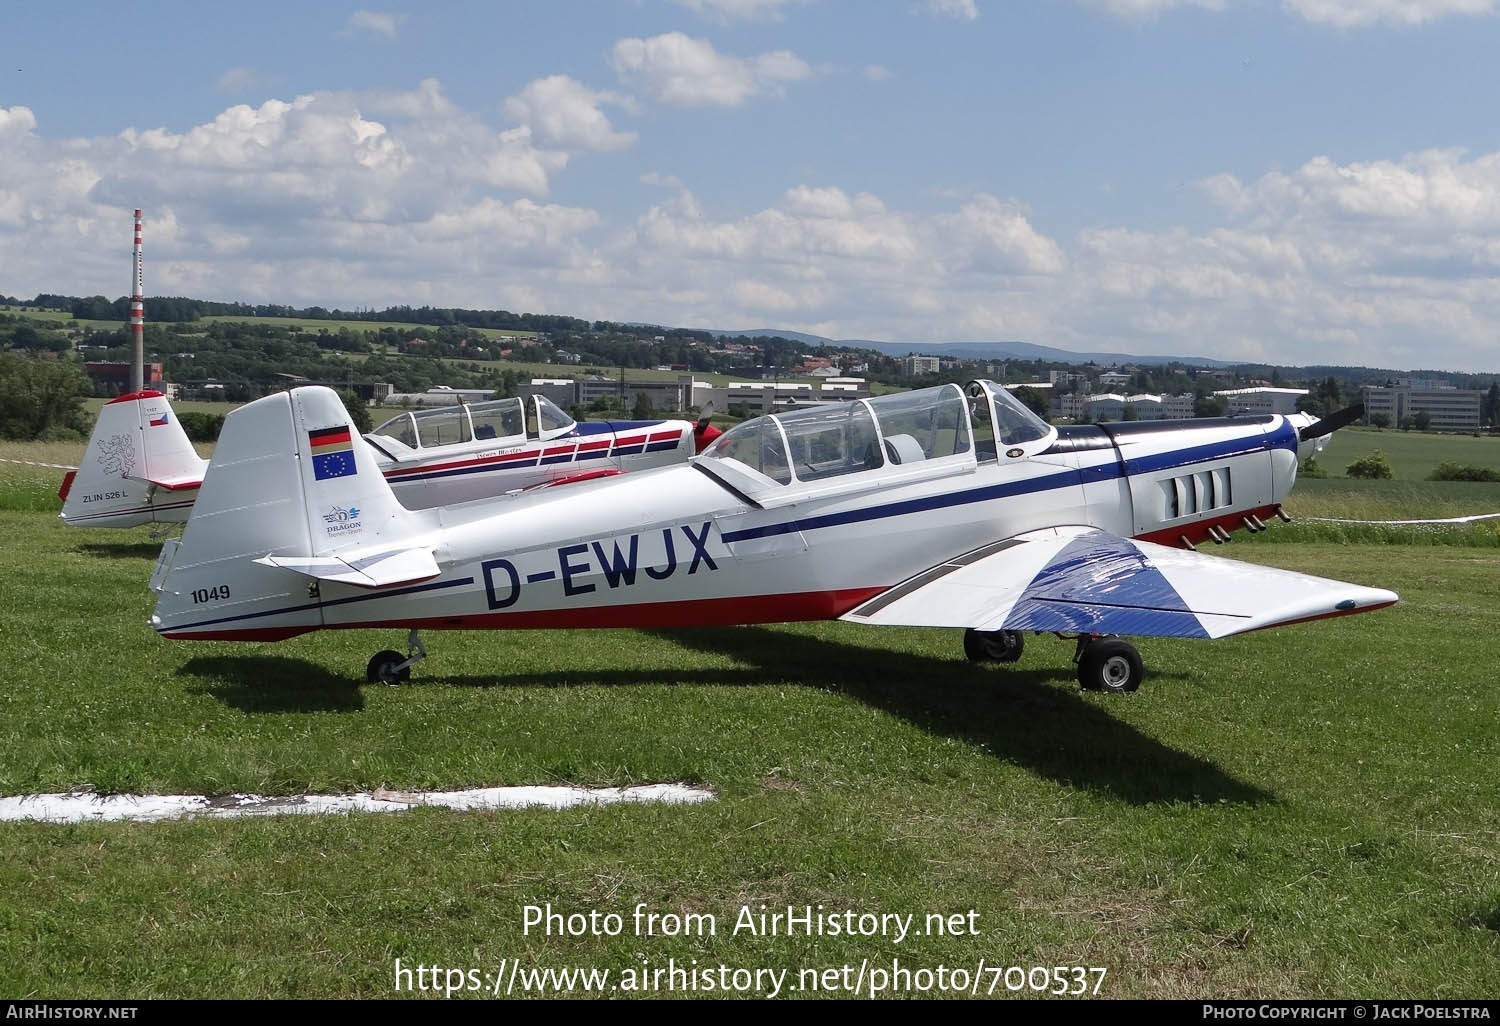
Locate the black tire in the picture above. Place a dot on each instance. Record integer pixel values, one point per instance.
(1110, 665)
(382, 668)
(993, 646)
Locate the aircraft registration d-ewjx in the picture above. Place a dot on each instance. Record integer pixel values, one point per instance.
(140, 467)
(944, 507)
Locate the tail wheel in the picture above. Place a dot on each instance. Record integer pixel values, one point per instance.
(993, 646)
(382, 668)
(1111, 665)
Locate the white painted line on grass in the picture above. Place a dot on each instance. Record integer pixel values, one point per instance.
(85, 807)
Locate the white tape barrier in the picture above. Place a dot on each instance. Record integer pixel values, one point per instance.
(96, 808)
(1399, 523)
(34, 463)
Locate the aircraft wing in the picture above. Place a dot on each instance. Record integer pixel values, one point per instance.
(381, 570)
(1080, 580)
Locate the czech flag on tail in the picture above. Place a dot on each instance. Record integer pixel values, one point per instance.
(159, 421)
(332, 453)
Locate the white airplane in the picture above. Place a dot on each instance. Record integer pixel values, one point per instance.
(140, 468)
(944, 507)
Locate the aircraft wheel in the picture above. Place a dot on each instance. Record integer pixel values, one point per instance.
(1111, 665)
(382, 668)
(993, 646)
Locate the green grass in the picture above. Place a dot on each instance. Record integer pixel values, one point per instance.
(183, 406)
(1308, 812)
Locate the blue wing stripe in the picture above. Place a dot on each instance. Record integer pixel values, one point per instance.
(1101, 584)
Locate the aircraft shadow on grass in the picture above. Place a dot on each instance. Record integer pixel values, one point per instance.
(121, 550)
(1020, 716)
(1485, 918)
(271, 684)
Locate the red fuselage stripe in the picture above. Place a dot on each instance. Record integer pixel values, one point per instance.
(721, 612)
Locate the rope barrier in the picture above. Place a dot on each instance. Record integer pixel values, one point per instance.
(34, 463)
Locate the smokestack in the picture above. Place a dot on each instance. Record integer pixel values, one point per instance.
(138, 317)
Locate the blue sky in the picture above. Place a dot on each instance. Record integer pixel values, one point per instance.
(1295, 181)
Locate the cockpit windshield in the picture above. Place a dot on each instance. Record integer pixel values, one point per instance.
(1010, 421)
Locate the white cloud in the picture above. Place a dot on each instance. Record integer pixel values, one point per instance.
(564, 113)
(964, 9)
(677, 69)
(1339, 13)
(748, 10)
(1361, 13)
(1388, 263)
(368, 199)
(377, 24)
(312, 198)
(1145, 9)
(240, 80)
(877, 73)
(658, 179)
(824, 258)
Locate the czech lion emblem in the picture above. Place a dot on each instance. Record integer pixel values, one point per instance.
(117, 455)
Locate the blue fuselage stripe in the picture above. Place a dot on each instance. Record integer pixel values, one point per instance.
(1107, 471)
(415, 589)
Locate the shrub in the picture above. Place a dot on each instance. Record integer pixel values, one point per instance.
(1374, 466)
(201, 427)
(1463, 472)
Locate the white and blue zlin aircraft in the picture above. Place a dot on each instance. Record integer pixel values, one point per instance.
(944, 507)
(140, 468)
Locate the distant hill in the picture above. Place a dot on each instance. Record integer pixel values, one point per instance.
(981, 350)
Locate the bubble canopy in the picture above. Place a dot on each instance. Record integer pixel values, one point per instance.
(945, 423)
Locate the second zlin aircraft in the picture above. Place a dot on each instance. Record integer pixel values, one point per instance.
(943, 507)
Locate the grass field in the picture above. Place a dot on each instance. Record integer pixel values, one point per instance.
(1413, 454)
(1308, 812)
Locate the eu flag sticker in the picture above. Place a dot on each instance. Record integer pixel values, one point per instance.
(332, 453)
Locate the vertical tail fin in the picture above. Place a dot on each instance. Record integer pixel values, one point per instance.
(346, 501)
(292, 497)
(139, 467)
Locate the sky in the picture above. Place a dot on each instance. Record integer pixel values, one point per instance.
(1300, 182)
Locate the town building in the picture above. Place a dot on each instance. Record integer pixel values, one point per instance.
(1262, 399)
(1447, 409)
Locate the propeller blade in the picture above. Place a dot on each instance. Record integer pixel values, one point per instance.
(1331, 423)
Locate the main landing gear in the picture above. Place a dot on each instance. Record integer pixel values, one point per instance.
(391, 667)
(1104, 663)
(1108, 664)
(993, 646)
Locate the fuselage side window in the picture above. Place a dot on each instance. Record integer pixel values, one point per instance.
(927, 424)
(831, 441)
(500, 420)
(400, 429)
(446, 426)
(758, 444)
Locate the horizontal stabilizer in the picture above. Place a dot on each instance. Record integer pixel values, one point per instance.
(380, 570)
(180, 483)
(1086, 581)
